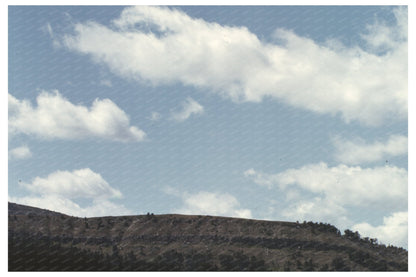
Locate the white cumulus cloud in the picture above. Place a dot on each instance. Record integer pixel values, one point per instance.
(330, 194)
(165, 46)
(317, 209)
(56, 117)
(209, 203)
(381, 186)
(81, 183)
(22, 152)
(189, 107)
(60, 190)
(394, 229)
(359, 151)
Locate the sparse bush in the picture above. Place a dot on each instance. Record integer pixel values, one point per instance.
(338, 264)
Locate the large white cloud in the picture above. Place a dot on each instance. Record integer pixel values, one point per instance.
(209, 203)
(162, 45)
(331, 194)
(61, 190)
(383, 187)
(21, 152)
(56, 117)
(394, 229)
(81, 183)
(189, 107)
(358, 151)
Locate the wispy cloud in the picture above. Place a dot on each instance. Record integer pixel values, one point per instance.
(382, 37)
(56, 117)
(189, 107)
(233, 62)
(155, 116)
(359, 151)
(106, 83)
(22, 152)
(48, 29)
(60, 190)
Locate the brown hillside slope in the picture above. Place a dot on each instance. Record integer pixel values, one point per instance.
(183, 242)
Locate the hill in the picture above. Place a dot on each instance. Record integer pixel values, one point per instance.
(41, 240)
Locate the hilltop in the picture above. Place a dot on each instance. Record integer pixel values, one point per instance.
(46, 240)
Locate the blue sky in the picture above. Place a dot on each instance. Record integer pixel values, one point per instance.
(279, 113)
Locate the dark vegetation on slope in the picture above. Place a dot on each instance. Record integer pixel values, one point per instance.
(41, 240)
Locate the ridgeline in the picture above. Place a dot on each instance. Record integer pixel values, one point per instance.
(42, 240)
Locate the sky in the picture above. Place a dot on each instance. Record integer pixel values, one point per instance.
(287, 113)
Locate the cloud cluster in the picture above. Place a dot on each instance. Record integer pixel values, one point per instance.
(164, 46)
(189, 107)
(381, 186)
(358, 151)
(209, 203)
(321, 193)
(56, 117)
(60, 190)
(22, 152)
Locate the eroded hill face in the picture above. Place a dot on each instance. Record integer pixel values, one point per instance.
(44, 240)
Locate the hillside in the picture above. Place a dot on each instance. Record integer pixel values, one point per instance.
(45, 240)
